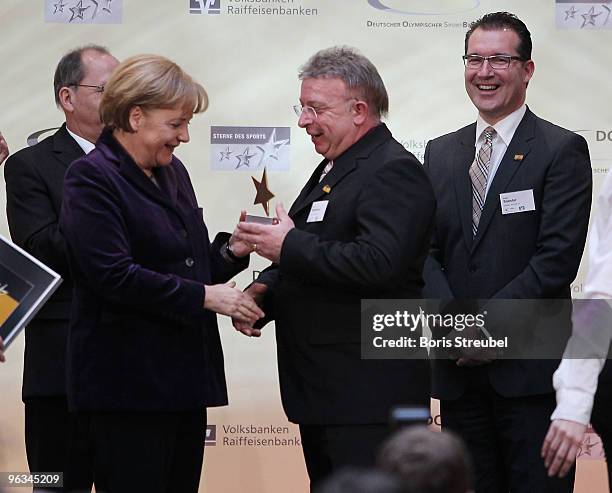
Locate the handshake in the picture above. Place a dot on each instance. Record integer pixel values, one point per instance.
(264, 239)
(243, 306)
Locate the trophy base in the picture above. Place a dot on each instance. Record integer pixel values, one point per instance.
(250, 218)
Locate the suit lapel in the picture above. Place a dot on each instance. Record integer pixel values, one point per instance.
(520, 144)
(343, 165)
(65, 148)
(313, 181)
(130, 170)
(137, 177)
(463, 186)
(166, 177)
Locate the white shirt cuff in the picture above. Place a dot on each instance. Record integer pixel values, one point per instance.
(573, 405)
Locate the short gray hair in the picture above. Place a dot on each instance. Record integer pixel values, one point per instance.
(71, 70)
(357, 72)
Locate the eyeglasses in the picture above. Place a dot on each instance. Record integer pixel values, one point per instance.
(309, 110)
(97, 88)
(496, 62)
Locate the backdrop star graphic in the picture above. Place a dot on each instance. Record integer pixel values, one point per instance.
(59, 6)
(225, 154)
(571, 13)
(271, 148)
(77, 11)
(263, 195)
(608, 16)
(244, 158)
(591, 15)
(95, 12)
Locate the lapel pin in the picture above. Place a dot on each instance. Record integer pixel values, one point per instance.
(326, 188)
(518, 157)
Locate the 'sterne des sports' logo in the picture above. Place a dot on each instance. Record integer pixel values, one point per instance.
(248, 148)
(204, 6)
(434, 7)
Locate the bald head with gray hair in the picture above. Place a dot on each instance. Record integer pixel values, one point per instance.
(71, 68)
(357, 72)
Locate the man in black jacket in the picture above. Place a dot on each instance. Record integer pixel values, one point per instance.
(359, 229)
(34, 181)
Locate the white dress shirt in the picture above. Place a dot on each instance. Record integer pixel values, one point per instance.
(83, 143)
(504, 131)
(576, 379)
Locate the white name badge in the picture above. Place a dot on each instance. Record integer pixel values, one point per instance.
(513, 202)
(317, 211)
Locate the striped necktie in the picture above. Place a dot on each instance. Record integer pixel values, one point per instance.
(479, 173)
(326, 170)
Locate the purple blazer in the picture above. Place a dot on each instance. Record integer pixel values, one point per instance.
(140, 339)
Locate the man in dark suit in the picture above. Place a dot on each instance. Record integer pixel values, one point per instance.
(360, 228)
(34, 181)
(482, 250)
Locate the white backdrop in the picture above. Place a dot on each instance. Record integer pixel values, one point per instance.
(248, 62)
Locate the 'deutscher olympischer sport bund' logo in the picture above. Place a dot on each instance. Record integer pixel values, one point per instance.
(434, 14)
(454, 329)
(253, 7)
(600, 149)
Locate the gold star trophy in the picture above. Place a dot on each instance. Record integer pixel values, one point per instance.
(263, 197)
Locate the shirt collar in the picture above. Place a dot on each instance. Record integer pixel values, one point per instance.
(83, 143)
(504, 128)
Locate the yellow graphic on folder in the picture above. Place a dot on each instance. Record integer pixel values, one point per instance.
(13, 290)
(7, 305)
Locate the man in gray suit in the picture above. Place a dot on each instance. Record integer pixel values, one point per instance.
(483, 249)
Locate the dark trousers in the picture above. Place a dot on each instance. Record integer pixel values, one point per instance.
(147, 452)
(601, 417)
(330, 448)
(57, 442)
(504, 436)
